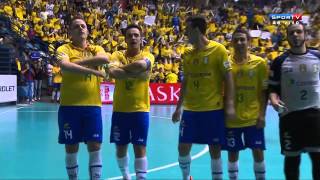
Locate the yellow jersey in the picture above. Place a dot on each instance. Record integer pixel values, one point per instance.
(57, 74)
(172, 78)
(79, 89)
(250, 79)
(204, 72)
(132, 94)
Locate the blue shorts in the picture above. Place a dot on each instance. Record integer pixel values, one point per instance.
(129, 127)
(79, 124)
(246, 137)
(56, 85)
(206, 127)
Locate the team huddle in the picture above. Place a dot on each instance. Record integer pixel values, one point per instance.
(222, 101)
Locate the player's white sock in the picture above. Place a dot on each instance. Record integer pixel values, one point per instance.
(216, 168)
(72, 165)
(95, 165)
(141, 165)
(53, 95)
(58, 96)
(123, 164)
(233, 170)
(184, 163)
(260, 170)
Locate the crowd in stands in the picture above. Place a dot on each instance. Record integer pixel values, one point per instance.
(163, 24)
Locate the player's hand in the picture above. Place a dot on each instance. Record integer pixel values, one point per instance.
(278, 105)
(261, 123)
(143, 75)
(230, 114)
(176, 116)
(101, 74)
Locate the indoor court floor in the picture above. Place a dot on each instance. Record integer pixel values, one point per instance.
(29, 148)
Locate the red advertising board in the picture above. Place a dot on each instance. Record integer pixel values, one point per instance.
(160, 93)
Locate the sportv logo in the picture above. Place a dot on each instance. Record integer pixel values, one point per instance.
(286, 18)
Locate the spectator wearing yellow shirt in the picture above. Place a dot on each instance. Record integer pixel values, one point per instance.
(57, 79)
(171, 77)
(8, 9)
(161, 76)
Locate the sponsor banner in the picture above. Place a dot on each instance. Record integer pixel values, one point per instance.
(164, 93)
(160, 93)
(106, 92)
(8, 88)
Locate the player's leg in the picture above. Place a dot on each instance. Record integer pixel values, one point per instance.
(123, 160)
(185, 159)
(311, 137)
(71, 160)
(259, 165)
(58, 92)
(120, 135)
(54, 92)
(186, 138)
(69, 134)
(139, 132)
(233, 169)
(233, 145)
(315, 160)
(290, 145)
(291, 167)
(216, 162)
(213, 131)
(93, 136)
(254, 139)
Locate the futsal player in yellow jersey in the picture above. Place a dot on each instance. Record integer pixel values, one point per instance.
(131, 103)
(250, 82)
(206, 69)
(79, 115)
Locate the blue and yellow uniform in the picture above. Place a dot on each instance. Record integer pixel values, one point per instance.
(80, 111)
(131, 103)
(204, 72)
(250, 80)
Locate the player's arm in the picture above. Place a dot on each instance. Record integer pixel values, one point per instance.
(120, 73)
(274, 85)
(177, 114)
(66, 65)
(263, 99)
(138, 66)
(98, 60)
(229, 96)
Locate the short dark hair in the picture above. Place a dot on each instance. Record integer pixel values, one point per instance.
(131, 26)
(198, 22)
(76, 17)
(242, 30)
(303, 27)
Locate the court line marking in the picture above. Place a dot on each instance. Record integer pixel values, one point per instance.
(12, 109)
(201, 153)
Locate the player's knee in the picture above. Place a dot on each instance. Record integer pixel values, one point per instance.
(93, 146)
(233, 156)
(258, 155)
(184, 149)
(139, 151)
(72, 148)
(291, 163)
(215, 151)
(122, 150)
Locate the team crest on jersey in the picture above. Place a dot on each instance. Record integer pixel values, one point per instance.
(303, 68)
(287, 69)
(227, 64)
(291, 82)
(205, 60)
(196, 61)
(251, 73)
(240, 73)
